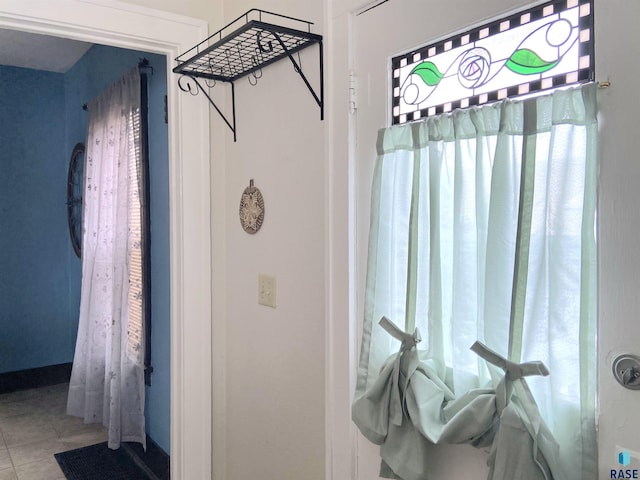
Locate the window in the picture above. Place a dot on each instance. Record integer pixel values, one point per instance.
(139, 219)
(538, 49)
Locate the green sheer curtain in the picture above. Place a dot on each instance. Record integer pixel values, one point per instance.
(483, 229)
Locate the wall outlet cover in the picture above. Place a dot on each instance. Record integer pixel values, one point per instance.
(267, 290)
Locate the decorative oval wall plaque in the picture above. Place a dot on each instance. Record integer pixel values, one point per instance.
(251, 209)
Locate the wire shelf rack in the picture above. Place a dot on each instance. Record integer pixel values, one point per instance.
(246, 45)
(251, 46)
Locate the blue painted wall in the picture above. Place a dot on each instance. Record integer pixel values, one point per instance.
(41, 119)
(35, 318)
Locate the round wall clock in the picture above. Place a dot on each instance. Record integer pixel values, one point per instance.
(251, 209)
(75, 187)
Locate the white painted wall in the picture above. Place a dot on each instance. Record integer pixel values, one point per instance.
(205, 10)
(275, 361)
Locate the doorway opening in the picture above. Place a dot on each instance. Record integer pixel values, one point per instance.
(129, 26)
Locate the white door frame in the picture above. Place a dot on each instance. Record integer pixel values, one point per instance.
(341, 337)
(125, 25)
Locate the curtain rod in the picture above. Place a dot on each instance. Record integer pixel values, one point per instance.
(142, 64)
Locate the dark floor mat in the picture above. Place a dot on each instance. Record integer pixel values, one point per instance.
(98, 462)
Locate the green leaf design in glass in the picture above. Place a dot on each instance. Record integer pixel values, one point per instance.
(528, 62)
(428, 72)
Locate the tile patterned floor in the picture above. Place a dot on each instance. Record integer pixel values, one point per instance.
(33, 427)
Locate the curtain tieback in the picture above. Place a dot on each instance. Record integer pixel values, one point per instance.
(408, 340)
(405, 363)
(513, 371)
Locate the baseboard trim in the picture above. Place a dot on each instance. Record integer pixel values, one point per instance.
(154, 462)
(35, 378)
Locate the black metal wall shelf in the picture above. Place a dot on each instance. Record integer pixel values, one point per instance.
(243, 48)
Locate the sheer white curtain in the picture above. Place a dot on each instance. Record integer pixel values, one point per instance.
(483, 229)
(107, 381)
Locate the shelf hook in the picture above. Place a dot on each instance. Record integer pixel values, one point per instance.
(184, 84)
(208, 82)
(259, 40)
(228, 54)
(257, 73)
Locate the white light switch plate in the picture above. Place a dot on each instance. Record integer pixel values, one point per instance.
(267, 290)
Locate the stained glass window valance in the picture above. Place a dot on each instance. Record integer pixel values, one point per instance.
(543, 47)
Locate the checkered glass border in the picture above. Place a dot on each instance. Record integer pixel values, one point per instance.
(547, 46)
